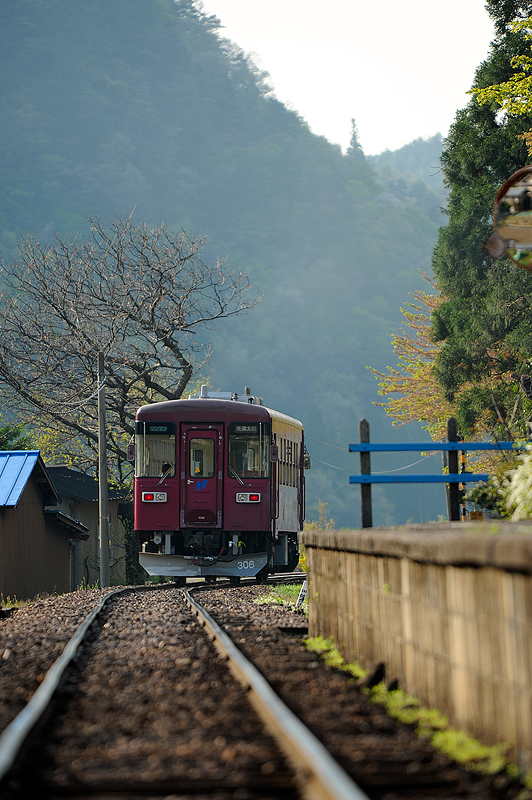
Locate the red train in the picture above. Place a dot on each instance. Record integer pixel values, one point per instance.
(219, 487)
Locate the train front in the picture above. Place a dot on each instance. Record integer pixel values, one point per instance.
(203, 489)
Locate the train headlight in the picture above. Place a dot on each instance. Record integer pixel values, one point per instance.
(248, 497)
(154, 497)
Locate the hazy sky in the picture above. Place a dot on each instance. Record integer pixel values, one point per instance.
(401, 69)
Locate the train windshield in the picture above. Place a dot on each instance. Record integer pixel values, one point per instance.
(249, 450)
(155, 449)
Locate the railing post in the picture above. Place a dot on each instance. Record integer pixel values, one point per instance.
(453, 508)
(365, 469)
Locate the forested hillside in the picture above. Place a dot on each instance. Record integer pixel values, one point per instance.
(138, 106)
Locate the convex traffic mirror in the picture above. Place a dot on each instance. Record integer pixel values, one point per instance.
(512, 219)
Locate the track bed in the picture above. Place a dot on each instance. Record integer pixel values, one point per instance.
(150, 709)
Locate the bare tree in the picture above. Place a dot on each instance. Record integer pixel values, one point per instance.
(142, 296)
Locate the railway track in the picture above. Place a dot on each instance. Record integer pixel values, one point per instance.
(141, 704)
(148, 708)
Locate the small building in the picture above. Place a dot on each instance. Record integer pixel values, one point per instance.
(79, 499)
(37, 538)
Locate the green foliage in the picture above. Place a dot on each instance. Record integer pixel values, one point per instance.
(302, 563)
(322, 523)
(333, 658)
(408, 710)
(503, 12)
(15, 437)
(283, 595)
(508, 492)
(485, 323)
(414, 171)
(466, 750)
(491, 494)
(519, 496)
(513, 95)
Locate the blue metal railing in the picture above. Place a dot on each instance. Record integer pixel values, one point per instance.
(455, 477)
(452, 446)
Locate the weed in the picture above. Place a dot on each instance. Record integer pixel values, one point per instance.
(333, 658)
(8, 602)
(284, 595)
(84, 585)
(430, 723)
(472, 753)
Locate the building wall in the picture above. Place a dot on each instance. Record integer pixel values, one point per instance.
(447, 608)
(34, 554)
(86, 567)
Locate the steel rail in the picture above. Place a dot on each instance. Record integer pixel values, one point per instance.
(289, 577)
(319, 776)
(16, 733)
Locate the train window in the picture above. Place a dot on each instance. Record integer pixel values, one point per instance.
(249, 450)
(290, 453)
(288, 462)
(201, 461)
(155, 449)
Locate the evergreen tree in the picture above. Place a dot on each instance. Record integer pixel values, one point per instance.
(485, 322)
(355, 150)
(504, 11)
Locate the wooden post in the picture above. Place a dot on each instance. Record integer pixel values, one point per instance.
(454, 502)
(463, 486)
(445, 467)
(365, 469)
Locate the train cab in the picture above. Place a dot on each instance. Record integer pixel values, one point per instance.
(219, 487)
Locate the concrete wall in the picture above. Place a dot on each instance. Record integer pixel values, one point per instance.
(447, 607)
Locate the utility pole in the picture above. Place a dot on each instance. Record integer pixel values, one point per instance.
(102, 478)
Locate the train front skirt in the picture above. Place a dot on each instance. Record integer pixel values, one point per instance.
(202, 566)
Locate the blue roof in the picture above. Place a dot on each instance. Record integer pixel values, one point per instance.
(16, 467)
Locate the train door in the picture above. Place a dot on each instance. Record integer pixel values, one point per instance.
(201, 476)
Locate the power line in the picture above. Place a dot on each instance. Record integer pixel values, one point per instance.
(385, 472)
(313, 458)
(336, 447)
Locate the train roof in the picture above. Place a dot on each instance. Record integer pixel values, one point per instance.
(224, 403)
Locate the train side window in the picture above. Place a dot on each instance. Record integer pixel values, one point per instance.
(201, 461)
(155, 449)
(249, 450)
(291, 480)
(288, 463)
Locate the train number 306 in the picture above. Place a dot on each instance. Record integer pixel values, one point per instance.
(245, 564)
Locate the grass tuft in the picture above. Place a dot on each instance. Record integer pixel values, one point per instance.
(282, 595)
